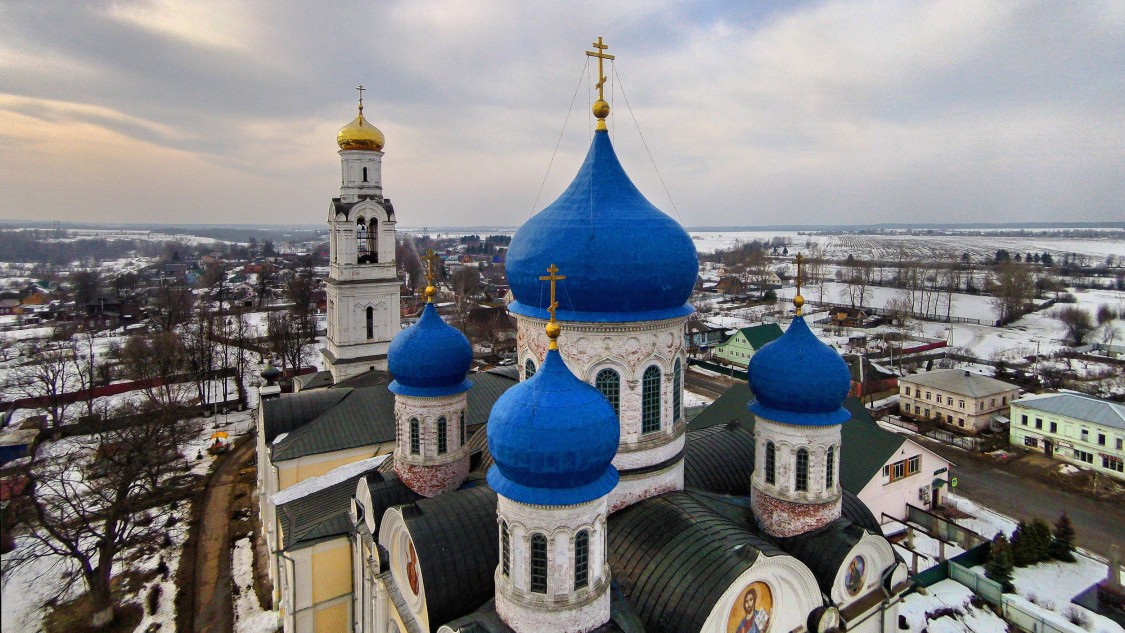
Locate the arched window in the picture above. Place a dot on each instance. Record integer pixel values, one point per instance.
(372, 245)
(677, 377)
(581, 559)
(442, 435)
(609, 383)
(505, 549)
(415, 437)
(370, 322)
(463, 422)
(801, 483)
(771, 463)
(830, 468)
(538, 563)
(364, 174)
(650, 400)
(361, 240)
(528, 369)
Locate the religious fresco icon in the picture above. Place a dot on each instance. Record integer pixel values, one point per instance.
(853, 576)
(751, 612)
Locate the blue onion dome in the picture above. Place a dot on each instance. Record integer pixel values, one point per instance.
(429, 358)
(553, 438)
(797, 379)
(625, 260)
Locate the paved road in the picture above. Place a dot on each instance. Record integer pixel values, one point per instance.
(214, 608)
(1011, 489)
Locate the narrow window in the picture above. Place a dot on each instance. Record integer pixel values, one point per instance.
(462, 428)
(364, 174)
(372, 246)
(676, 377)
(370, 322)
(771, 463)
(830, 466)
(538, 563)
(1055, 428)
(528, 369)
(505, 549)
(581, 559)
(802, 482)
(415, 437)
(442, 440)
(650, 400)
(609, 383)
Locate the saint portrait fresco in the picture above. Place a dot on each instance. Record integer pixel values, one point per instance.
(751, 612)
(853, 576)
(412, 567)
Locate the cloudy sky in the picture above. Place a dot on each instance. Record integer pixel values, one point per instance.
(754, 113)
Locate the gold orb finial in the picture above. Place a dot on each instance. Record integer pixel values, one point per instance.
(798, 300)
(360, 134)
(430, 290)
(553, 328)
(601, 107)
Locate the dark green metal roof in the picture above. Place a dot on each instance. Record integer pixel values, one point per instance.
(825, 550)
(674, 556)
(759, 335)
(865, 446)
(283, 415)
(363, 417)
(317, 515)
(719, 459)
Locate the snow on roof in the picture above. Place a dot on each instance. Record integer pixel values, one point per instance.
(330, 478)
(1078, 406)
(280, 436)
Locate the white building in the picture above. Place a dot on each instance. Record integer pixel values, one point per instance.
(1074, 428)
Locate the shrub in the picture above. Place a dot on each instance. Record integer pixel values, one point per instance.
(1062, 540)
(1077, 616)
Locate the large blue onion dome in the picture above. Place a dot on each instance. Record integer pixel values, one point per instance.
(625, 260)
(553, 438)
(797, 379)
(429, 358)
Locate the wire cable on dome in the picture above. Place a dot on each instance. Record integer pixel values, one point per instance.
(574, 98)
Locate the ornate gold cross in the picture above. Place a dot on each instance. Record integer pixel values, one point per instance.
(798, 300)
(601, 56)
(360, 88)
(430, 259)
(553, 328)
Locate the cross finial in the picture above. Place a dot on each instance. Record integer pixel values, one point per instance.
(798, 300)
(601, 108)
(553, 328)
(430, 290)
(360, 88)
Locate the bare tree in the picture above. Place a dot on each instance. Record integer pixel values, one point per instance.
(158, 362)
(285, 338)
(1012, 289)
(88, 501)
(1077, 322)
(85, 284)
(50, 377)
(171, 306)
(264, 283)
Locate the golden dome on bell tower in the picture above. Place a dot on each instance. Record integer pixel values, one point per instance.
(360, 134)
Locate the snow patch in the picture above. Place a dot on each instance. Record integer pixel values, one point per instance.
(330, 478)
(249, 617)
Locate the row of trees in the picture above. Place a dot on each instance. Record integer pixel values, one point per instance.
(1032, 542)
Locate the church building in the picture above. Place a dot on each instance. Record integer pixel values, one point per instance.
(582, 502)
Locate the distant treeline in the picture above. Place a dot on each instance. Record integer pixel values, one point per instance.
(32, 247)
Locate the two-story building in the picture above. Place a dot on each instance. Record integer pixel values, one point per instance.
(1074, 428)
(740, 347)
(960, 399)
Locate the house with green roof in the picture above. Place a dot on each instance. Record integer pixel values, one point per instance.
(740, 347)
(1074, 428)
(885, 470)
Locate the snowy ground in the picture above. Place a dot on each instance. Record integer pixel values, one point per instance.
(249, 617)
(920, 607)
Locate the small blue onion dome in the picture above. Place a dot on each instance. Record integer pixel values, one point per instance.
(797, 379)
(429, 358)
(625, 260)
(553, 438)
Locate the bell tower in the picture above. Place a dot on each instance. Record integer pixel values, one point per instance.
(363, 284)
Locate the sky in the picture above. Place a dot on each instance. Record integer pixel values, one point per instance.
(724, 114)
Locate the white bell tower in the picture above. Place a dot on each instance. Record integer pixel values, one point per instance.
(363, 284)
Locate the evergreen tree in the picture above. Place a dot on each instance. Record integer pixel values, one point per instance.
(1062, 541)
(1040, 531)
(999, 565)
(1021, 550)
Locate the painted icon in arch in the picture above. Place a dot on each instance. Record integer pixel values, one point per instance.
(751, 611)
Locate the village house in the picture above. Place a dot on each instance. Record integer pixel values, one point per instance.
(957, 398)
(1074, 428)
(740, 347)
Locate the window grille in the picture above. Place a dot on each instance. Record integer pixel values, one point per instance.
(538, 563)
(650, 400)
(609, 383)
(801, 484)
(581, 559)
(442, 432)
(415, 437)
(771, 463)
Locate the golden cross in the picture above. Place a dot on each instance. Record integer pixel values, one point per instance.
(601, 56)
(798, 300)
(553, 326)
(430, 258)
(360, 88)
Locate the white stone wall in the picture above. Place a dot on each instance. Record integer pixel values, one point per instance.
(429, 472)
(883, 496)
(779, 507)
(562, 609)
(793, 587)
(629, 349)
(352, 184)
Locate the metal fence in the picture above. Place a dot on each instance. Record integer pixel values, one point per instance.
(975, 444)
(1025, 620)
(943, 528)
(990, 590)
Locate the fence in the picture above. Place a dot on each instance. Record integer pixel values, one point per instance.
(975, 444)
(940, 572)
(990, 590)
(1025, 619)
(943, 528)
(726, 370)
(1014, 610)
